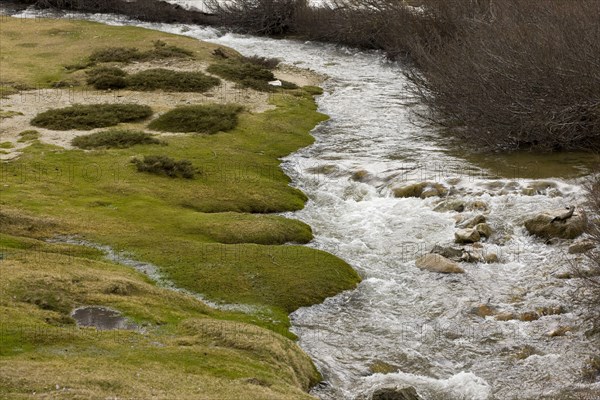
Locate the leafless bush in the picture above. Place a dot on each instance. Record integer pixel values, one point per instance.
(588, 273)
(518, 74)
(260, 17)
(144, 10)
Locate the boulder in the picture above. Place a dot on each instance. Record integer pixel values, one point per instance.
(396, 393)
(422, 190)
(473, 222)
(542, 225)
(451, 205)
(484, 230)
(438, 263)
(581, 247)
(449, 252)
(468, 235)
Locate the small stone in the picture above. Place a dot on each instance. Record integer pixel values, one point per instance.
(505, 316)
(560, 331)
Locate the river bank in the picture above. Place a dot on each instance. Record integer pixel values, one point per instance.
(216, 234)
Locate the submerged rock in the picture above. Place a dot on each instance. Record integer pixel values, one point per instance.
(396, 393)
(546, 226)
(469, 235)
(581, 247)
(438, 263)
(422, 190)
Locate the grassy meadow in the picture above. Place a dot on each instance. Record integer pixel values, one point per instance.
(215, 235)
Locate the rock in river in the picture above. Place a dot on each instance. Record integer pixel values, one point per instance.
(546, 226)
(438, 263)
(422, 190)
(396, 393)
(468, 235)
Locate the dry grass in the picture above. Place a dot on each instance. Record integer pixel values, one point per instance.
(43, 63)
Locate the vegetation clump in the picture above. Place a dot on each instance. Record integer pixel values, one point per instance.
(87, 117)
(114, 138)
(163, 165)
(161, 50)
(168, 80)
(246, 74)
(264, 62)
(104, 78)
(205, 118)
(28, 135)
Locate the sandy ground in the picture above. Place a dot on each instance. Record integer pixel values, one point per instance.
(30, 103)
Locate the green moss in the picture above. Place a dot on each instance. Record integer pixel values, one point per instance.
(8, 114)
(6, 145)
(86, 117)
(114, 138)
(163, 165)
(205, 118)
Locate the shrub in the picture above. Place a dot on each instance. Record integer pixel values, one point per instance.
(163, 165)
(86, 117)
(264, 62)
(206, 118)
(245, 74)
(117, 54)
(130, 54)
(104, 78)
(114, 138)
(168, 80)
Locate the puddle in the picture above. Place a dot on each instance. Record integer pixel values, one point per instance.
(101, 318)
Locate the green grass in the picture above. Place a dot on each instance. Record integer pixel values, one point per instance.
(163, 165)
(114, 139)
(208, 353)
(172, 81)
(246, 74)
(87, 117)
(213, 235)
(28, 135)
(205, 118)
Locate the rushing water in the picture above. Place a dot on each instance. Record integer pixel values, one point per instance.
(418, 322)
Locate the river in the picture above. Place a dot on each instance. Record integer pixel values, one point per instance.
(417, 325)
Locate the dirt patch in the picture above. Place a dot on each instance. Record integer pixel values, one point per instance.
(299, 76)
(32, 102)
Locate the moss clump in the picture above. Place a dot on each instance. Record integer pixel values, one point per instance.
(114, 138)
(246, 74)
(86, 117)
(104, 78)
(131, 54)
(6, 145)
(206, 118)
(168, 80)
(163, 165)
